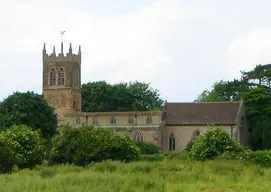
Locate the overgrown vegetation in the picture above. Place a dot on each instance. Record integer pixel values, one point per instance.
(84, 145)
(168, 175)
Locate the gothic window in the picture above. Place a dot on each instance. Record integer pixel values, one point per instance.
(138, 136)
(73, 104)
(78, 121)
(61, 76)
(172, 142)
(94, 121)
(131, 120)
(113, 120)
(196, 134)
(149, 120)
(52, 76)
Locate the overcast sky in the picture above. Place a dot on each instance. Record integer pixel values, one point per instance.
(180, 46)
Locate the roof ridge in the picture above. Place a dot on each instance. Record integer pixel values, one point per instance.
(204, 102)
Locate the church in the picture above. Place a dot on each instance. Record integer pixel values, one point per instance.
(170, 129)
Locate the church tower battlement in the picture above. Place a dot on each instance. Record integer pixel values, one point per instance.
(62, 80)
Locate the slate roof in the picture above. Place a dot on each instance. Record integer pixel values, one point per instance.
(218, 113)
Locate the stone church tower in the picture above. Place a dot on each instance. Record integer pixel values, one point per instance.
(62, 80)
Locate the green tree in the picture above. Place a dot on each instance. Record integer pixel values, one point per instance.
(103, 97)
(26, 145)
(224, 91)
(30, 109)
(258, 110)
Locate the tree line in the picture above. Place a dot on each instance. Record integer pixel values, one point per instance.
(254, 87)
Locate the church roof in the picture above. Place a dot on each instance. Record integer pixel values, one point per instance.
(218, 113)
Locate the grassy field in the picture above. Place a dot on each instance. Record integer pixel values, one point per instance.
(168, 175)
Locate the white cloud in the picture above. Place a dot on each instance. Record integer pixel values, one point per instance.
(248, 51)
(181, 47)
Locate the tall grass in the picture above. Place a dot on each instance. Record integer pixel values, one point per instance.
(167, 175)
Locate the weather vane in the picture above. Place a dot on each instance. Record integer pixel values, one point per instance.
(62, 33)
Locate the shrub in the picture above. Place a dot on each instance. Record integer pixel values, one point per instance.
(262, 158)
(26, 145)
(151, 158)
(213, 143)
(6, 157)
(147, 148)
(81, 146)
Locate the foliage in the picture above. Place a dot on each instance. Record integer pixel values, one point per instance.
(213, 143)
(29, 109)
(151, 158)
(6, 156)
(101, 96)
(26, 145)
(262, 158)
(84, 145)
(147, 147)
(169, 175)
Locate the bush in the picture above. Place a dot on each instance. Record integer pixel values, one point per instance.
(262, 158)
(6, 157)
(84, 145)
(213, 143)
(26, 145)
(151, 158)
(147, 148)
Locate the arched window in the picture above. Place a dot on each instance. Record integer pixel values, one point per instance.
(149, 120)
(52, 76)
(61, 76)
(113, 120)
(78, 121)
(138, 136)
(131, 120)
(172, 142)
(94, 121)
(196, 134)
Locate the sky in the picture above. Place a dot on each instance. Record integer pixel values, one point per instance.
(181, 47)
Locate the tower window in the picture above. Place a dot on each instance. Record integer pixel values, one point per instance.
(73, 104)
(172, 142)
(61, 76)
(52, 75)
(113, 120)
(138, 136)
